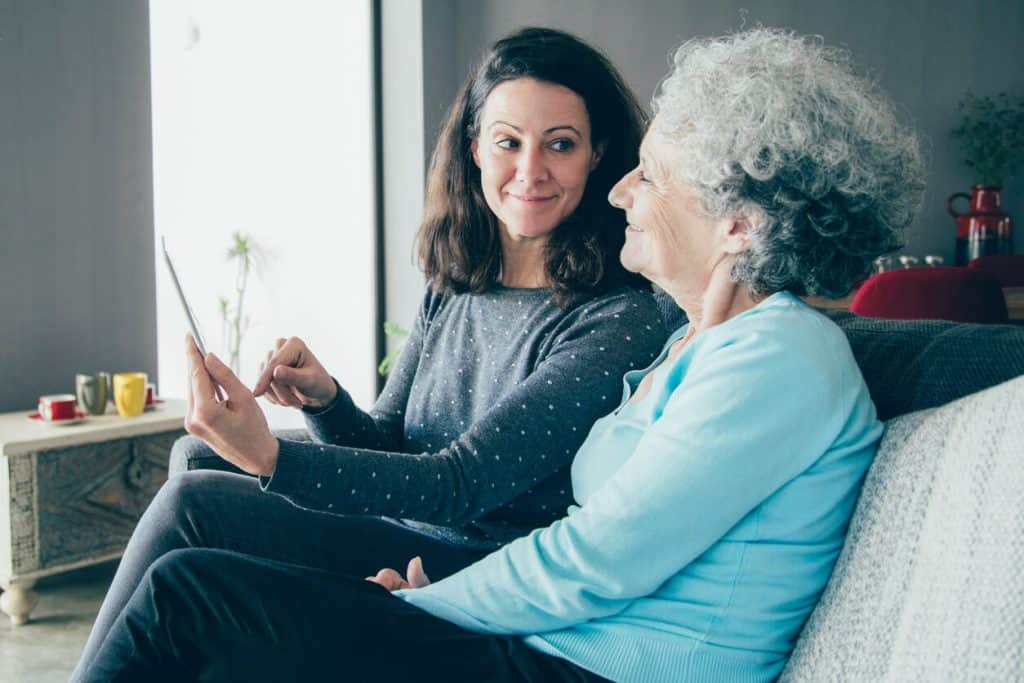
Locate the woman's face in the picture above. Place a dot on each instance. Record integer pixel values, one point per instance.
(534, 155)
(669, 239)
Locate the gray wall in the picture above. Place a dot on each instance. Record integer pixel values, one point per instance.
(924, 54)
(77, 286)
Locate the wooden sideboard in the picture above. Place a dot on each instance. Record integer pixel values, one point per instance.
(70, 496)
(1014, 303)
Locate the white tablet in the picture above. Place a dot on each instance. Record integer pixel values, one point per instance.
(184, 302)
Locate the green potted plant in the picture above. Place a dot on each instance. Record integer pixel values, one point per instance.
(397, 334)
(234, 322)
(991, 138)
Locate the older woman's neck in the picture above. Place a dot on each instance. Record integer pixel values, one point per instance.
(715, 309)
(713, 302)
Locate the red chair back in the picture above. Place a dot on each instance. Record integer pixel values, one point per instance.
(1007, 268)
(941, 293)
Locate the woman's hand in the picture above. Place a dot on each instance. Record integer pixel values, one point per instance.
(292, 376)
(235, 428)
(393, 581)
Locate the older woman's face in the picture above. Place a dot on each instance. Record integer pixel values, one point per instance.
(534, 155)
(668, 238)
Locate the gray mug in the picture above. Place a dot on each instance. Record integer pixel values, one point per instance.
(93, 391)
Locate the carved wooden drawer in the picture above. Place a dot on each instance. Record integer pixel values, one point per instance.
(76, 505)
(90, 497)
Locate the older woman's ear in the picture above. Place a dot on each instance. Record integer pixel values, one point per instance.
(737, 240)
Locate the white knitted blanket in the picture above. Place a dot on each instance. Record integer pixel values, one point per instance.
(930, 583)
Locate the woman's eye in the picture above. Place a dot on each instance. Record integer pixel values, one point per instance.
(507, 143)
(562, 145)
(641, 175)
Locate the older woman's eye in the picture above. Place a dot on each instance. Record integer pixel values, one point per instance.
(562, 145)
(643, 177)
(507, 143)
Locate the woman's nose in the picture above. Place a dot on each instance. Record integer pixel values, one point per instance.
(531, 166)
(620, 197)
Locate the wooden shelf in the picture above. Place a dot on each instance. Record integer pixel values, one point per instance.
(1014, 302)
(19, 435)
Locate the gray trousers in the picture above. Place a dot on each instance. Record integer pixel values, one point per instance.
(202, 507)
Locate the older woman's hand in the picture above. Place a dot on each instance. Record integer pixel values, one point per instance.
(393, 581)
(235, 428)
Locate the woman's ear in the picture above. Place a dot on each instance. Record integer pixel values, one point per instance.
(737, 239)
(474, 147)
(595, 158)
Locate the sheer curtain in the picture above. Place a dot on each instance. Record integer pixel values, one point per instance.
(262, 125)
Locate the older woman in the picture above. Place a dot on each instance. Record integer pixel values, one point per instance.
(713, 502)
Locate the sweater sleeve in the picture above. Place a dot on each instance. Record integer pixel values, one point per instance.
(745, 419)
(343, 423)
(529, 434)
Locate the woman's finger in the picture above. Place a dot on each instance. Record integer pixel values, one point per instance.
(202, 385)
(274, 389)
(284, 395)
(223, 376)
(298, 396)
(417, 577)
(389, 578)
(272, 360)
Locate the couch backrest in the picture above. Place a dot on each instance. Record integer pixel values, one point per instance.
(929, 585)
(915, 364)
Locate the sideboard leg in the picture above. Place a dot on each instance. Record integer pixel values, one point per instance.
(18, 600)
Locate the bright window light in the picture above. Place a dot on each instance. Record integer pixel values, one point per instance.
(262, 124)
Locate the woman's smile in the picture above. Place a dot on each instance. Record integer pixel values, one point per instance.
(532, 199)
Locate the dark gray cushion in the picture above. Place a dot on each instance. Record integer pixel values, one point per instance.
(915, 364)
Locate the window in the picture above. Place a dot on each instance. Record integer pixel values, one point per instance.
(262, 124)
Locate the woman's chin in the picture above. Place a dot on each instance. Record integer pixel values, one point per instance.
(530, 230)
(630, 260)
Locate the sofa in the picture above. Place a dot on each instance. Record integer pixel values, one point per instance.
(929, 585)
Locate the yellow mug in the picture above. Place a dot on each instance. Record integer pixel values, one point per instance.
(130, 393)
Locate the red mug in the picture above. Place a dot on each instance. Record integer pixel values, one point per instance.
(58, 407)
(150, 394)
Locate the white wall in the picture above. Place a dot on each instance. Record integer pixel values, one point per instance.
(262, 124)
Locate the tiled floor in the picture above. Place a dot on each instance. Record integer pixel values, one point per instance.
(46, 648)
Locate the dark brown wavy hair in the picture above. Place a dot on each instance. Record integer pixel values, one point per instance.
(459, 244)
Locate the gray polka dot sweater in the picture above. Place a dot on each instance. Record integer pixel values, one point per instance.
(472, 437)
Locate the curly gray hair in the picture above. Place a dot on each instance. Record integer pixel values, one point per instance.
(779, 128)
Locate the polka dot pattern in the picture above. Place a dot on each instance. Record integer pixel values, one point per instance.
(475, 431)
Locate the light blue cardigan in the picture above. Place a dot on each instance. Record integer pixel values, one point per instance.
(710, 512)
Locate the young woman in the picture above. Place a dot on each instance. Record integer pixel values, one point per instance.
(525, 330)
